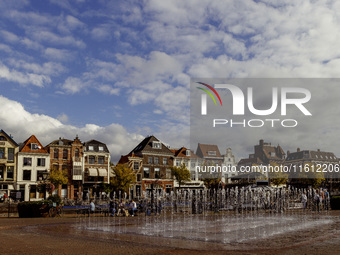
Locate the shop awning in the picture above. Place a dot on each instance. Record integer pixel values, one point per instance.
(93, 172)
(102, 172)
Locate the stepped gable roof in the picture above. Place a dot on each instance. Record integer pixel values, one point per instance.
(8, 137)
(148, 145)
(96, 144)
(32, 145)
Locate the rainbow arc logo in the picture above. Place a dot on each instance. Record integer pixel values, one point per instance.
(204, 97)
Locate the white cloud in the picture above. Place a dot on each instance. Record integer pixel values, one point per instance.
(73, 85)
(23, 78)
(8, 36)
(58, 54)
(62, 117)
(13, 117)
(109, 89)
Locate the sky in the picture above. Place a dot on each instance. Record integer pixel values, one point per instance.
(118, 71)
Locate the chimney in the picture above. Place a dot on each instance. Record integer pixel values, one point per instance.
(318, 150)
(261, 142)
(288, 152)
(298, 150)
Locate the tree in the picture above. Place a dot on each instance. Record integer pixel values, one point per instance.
(181, 173)
(58, 177)
(124, 177)
(308, 175)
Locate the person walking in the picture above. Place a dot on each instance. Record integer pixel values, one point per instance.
(92, 207)
(317, 200)
(304, 200)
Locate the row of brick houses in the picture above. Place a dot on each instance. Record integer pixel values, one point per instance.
(23, 166)
(88, 164)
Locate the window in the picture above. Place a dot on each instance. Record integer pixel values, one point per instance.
(41, 162)
(76, 153)
(146, 172)
(2, 153)
(92, 159)
(35, 147)
(76, 170)
(91, 148)
(165, 161)
(168, 173)
(212, 153)
(156, 160)
(33, 191)
(101, 160)
(157, 173)
(178, 162)
(27, 161)
(101, 148)
(65, 154)
(10, 172)
(2, 138)
(156, 145)
(193, 164)
(2, 172)
(10, 154)
(139, 177)
(135, 165)
(150, 160)
(168, 188)
(56, 153)
(187, 152)
(27, 175)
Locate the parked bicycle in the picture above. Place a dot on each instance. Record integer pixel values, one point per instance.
(56, 210)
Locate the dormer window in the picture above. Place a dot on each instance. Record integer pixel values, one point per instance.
(101, 148)
(156, 145)
(90, 148)
(212, 153)
(35, 147)
(187, 153)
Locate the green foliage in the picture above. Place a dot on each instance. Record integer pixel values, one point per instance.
(181, 173)
(307, 177)
(212, 183)
(31, 209)
(124, 177)
(54, 199)
(58, 177)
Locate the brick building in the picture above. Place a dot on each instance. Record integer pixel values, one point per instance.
(8, 162)
(151, 160)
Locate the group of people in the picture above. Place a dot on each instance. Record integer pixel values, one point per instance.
(320, 199)
(121, 209)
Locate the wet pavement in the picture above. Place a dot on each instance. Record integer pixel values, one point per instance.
(174, 234)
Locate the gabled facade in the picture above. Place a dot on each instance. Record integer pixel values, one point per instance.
(229, 161)
(211, 157)
(67, 155)
(8, 162)
(33, 164)
(190, 160)
(97, 168)
(151, 160)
